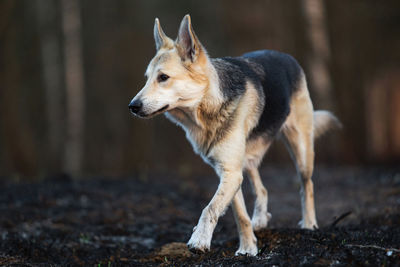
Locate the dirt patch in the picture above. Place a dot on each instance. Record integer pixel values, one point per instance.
(112, 222)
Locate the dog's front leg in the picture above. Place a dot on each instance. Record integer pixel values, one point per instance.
(230, 182)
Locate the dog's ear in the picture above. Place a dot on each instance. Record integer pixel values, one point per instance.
(159, 36)
(187, 43)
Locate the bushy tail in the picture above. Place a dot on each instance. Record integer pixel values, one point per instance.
(324, 121)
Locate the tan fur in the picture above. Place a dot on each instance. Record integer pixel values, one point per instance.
(301, 128)
(246, 115)
(255, 151)
(298, 132)
(162, 41)
(194, 79)
(323, 122)
(248, 241)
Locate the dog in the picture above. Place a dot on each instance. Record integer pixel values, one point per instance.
(231, 109)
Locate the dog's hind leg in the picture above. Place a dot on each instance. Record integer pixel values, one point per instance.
(261, 216)
(255, 150)
(299, 139)
(248, 241)
(300, 148)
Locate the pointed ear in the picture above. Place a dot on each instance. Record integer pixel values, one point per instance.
(159, 36)
(189, 46)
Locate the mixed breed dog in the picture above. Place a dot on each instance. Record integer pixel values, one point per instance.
(232, 109)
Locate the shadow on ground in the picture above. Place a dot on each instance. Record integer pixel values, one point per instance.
(112, 222)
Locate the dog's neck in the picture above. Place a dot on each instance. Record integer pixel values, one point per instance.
(203, 120)
(191, 115)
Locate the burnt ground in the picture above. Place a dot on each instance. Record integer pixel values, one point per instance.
(145, 221)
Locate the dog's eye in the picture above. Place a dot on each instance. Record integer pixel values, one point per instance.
(162, 77)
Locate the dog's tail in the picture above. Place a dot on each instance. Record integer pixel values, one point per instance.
(324, 121)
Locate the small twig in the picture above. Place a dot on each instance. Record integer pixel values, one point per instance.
(341, 217)
(373, 246)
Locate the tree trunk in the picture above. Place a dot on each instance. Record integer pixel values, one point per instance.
(46, 12)
(18, 153)
(320, 78)
(74, 81)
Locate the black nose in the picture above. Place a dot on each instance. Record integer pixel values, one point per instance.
(135, 106)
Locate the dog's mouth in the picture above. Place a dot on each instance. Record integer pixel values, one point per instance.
(159, 111)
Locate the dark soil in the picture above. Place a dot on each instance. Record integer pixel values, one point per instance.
(147, 220)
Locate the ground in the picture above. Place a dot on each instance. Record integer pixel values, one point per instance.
(146, 220)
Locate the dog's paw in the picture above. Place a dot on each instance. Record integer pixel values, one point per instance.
(199, 241)
(310, 225)
(260, 220)
(248, 244)
(198, 247)
(247, 250)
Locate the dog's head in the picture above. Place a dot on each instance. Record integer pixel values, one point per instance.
(177, 76)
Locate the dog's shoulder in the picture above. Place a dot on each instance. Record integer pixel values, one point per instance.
(233, 74)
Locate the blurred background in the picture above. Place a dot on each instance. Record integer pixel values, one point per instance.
(69, 68)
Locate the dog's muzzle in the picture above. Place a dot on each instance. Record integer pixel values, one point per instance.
(135, 106)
